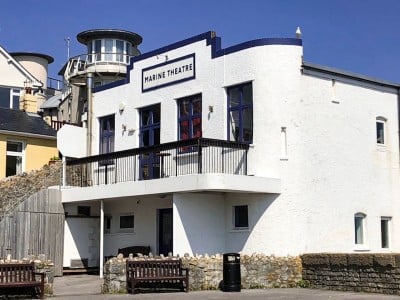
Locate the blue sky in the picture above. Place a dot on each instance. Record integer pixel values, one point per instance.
(360, 36)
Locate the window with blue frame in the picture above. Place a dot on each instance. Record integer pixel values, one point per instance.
(240, 113)
(189, 117)
(107, 134)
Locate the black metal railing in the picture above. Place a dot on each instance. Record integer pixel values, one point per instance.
(195, 156)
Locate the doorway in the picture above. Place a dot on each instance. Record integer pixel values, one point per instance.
(165, 236)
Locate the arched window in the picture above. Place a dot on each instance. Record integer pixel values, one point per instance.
(359, 228)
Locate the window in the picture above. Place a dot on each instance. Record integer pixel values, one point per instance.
(380, 130)
(119, 46)
(240, 217)
(107, 224)
(189, 117)
(108, 49)
(9, 97)
(107, 134)
(97, 49)
(127, 222)
(359, 228)
(14, 158)
(84, 211)
(240, 113)
(385, 232)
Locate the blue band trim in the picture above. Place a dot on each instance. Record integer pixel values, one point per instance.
(216, 51)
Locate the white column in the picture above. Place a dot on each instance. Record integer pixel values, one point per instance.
(64, 171)
(101, 237)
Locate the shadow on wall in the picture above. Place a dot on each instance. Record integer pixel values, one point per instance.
(207, 220)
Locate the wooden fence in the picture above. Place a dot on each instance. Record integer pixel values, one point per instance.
(36, 226)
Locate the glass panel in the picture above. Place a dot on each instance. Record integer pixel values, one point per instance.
(241, 216)
(11, 165)
(359, 234)
(196, 128)
(145, 138)
(108, 49)
(120, 50)
(156, 134)
(156, 114)
(4, 97)
(380, 136)
(126, 222)
(196, 104)
(89, 51)
(234, 97)
(247, 119)
(15, 102)
(184, 108)
(145, 118)
(234, 125)
(385, 233)
(14, 146)
(184, 130)
(97, 49)
(247, 95)
(128, 51)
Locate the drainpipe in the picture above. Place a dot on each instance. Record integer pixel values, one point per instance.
(64, 171)
(89, 86)
(101, 237)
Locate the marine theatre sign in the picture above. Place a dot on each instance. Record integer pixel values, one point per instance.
(170, 72)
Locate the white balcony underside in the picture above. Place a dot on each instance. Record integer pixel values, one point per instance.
(187, 183)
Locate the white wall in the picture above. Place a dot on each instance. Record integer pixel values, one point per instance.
(198, 222)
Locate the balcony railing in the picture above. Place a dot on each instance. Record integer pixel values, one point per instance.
(81, 62)
(56, 125)
(195, 156)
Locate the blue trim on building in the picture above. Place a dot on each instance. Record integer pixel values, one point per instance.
(216, 51)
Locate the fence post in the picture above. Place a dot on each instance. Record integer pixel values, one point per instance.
(199, 157)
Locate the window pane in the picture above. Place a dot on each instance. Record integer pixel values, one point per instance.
(15, 102)
(156, 114)
(196, 106)
(234, 125)
(241, 216)
(126, 222)
(234, 97)
(184, 108)
(380, 136)
(108, 49)
(4, 97)
(145, 138)
(156, 136)
(359, 230)
(145, 118)
(196, 128)
(97, 49)
(120, 50)
(128, 51)
(84, 211)
(184, 130)
(247, 125)
(247, 97)
(107, 133)
(385, 233)
(14, 146)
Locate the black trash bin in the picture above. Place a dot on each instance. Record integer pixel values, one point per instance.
(231, 272)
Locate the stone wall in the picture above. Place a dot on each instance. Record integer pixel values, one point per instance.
(205, 272)
(15, 189)
(373, 273)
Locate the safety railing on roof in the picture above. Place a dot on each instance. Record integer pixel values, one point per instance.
(195, 156)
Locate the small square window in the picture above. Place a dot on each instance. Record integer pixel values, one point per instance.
(126, 222)
(84, 211)
(240, 217)
(107, 224)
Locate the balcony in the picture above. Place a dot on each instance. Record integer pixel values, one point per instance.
(102, 62)
(196, 156)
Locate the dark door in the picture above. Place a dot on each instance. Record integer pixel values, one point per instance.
(165, 231)
(149, 136)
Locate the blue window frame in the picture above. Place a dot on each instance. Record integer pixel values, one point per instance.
(107, 134)
(240, 113)
(189, 117)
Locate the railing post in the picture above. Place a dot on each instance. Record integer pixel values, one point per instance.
(199, 157)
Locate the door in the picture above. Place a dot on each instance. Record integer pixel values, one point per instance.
(149, 135)
(165, 231)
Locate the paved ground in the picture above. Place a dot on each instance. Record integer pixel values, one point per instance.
(87, 287)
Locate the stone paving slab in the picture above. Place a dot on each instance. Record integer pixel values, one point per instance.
(87, 287)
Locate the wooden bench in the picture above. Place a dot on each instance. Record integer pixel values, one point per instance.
(20, 275)
(145, 250)
(156, 271)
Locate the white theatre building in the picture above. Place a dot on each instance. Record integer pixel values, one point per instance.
(243, 149)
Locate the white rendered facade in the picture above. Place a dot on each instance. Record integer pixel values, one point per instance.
(313, 165)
